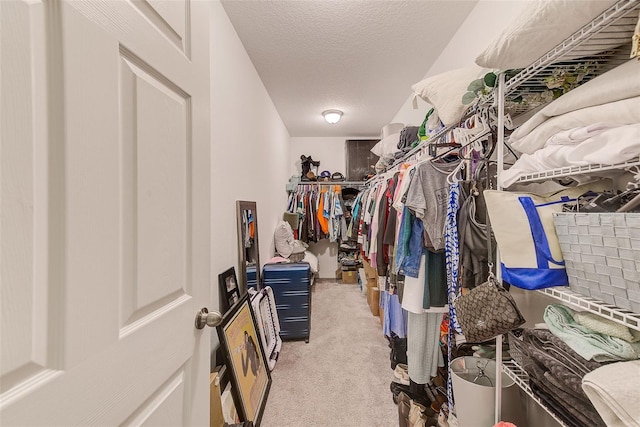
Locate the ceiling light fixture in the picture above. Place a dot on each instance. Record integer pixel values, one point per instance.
(332, 116)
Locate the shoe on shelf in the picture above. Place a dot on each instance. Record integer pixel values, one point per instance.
(401, 372)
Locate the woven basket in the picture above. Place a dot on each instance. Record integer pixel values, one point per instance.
(602, 255)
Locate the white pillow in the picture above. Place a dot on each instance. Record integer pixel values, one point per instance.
(312, 260)
(387, 146)
(541, 26)
(444, 91)
(620, 83)
(283, 237)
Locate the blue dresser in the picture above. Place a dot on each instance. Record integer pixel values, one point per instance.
(291, 289)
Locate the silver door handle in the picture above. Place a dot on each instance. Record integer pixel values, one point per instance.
(204, 318)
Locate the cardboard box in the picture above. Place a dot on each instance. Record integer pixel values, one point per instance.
(371, 272)
(349, 276)
(216, 419)
(374, 301)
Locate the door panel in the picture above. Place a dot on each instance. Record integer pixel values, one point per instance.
(171, 18)
(105, 202)
(23, 293)
(155, 184)
(158, 409)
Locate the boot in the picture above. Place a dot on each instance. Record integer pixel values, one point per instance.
(404, 407)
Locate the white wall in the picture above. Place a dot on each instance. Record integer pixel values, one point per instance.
(330, 152)
(485, 22)
(249, 149)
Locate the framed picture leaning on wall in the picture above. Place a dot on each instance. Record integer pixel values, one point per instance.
(229, 290)
(245, 360)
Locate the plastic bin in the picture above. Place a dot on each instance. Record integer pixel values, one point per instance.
(475, 402)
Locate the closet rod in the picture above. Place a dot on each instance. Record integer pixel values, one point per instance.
(343, 183)
(427, 143)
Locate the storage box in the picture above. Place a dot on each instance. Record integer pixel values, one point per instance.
(216, 417)
(602, 255)
(371, 272)
(374, 301)
(349, 276)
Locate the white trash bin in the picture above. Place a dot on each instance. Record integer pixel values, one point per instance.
(475, 401)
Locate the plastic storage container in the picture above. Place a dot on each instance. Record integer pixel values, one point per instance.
(475, 400)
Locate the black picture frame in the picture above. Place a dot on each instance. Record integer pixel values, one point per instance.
(229, 289)
(245, 360)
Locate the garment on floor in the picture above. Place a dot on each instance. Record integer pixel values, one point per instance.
(613, 390)
(423, 346)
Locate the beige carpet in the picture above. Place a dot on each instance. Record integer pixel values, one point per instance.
(341, 378)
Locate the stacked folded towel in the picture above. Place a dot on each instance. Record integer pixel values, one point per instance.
(556, 373)
(585, 341)
(613, 389)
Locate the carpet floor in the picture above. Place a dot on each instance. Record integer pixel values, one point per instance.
(341, 377)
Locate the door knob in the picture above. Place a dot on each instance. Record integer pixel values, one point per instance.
(204, 318)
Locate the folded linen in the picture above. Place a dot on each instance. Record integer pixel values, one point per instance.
(613, 390)
(605, 326)
(586, 342)
(559, 359)
(593, 144)
(573, 411)
(620, 83)
(577, 135)
(623, 112)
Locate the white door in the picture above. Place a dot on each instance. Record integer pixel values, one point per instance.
(104, 212)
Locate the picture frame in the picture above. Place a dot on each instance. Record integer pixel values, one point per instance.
(245, 360)
(229, 289)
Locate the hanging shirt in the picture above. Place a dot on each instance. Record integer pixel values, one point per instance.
(427, 198)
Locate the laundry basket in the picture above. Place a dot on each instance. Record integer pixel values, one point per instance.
(475, 401)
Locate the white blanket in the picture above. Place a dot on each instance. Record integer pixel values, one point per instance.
(613, 390)
(595, 144)
(623, 112)
(620, 83)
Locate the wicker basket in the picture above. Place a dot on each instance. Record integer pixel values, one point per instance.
(602, 255)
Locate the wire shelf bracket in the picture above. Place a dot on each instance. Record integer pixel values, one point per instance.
(575, 170)
(608, 311)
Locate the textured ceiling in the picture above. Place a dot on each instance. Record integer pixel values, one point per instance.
(360, 57)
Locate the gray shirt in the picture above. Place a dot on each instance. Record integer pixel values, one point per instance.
(427, 198)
